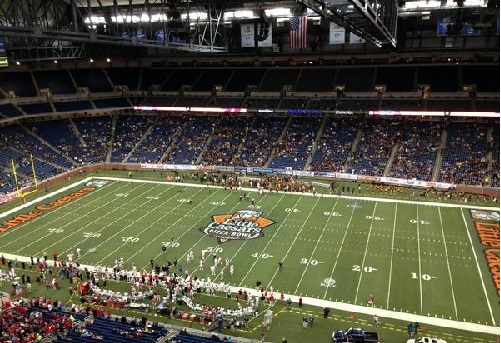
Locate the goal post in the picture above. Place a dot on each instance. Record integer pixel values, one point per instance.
(19, 190)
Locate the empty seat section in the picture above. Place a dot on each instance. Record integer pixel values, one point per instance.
(180, 78)
(211, 78)
(159, 101)
(94, 79)
(242, 78)
(396, 79)
(439, 78)
(58, 81)
(9, 110)
(20, 83)
(275, 79)
(316, 80)
(225, 102)
(154, 77)
(59, 134)
(191, 101)
(449, 105)
(355, 104)
(322, 104)
(395, 104)
(264, 103)
(485, 77)
(487, 105)
(111, 102)
(124, 77)
(70, 106)
(128, 132)
(293, 103)
(41, 107)
(356, 79)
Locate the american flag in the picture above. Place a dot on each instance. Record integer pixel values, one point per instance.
(298, 26)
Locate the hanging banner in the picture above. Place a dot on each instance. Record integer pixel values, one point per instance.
(354, 39)
(267, 43)
(247, 35)
(337, 34)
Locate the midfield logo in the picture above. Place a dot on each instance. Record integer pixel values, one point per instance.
(245, 224)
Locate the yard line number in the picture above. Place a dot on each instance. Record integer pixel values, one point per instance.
(332, 214)
(420, 222)
(293, 210)
(310, 262)
(425, 277)
(261, 255)
(130, 239)
(91, 234)
(357, 268)
(55, 230)
(170, 244)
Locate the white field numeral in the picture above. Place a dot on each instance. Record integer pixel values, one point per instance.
(367, 269)
(425, 277)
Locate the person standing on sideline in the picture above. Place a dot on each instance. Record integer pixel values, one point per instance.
(300, 302)
(409, 329)
(375, 321)
(371, 300)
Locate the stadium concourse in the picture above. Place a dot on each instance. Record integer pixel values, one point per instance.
(321, 303)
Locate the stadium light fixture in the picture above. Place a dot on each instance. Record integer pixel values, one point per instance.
(108, 60)
(91, 60)
(55, 61)
(18, 63)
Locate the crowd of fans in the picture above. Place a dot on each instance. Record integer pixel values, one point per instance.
(375, 146)
(261, 141)
(417, 151)
(334, 145)
(128, 132)
(465, 154)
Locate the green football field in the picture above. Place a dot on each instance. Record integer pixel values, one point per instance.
(420, 258)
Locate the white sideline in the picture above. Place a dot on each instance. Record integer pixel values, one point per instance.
(407, 317)
(382, 313)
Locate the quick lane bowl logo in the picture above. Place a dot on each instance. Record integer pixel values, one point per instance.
(245, 224)
(97, 183)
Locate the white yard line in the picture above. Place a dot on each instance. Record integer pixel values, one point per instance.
(57, 218)
(295, 239)
(90, 224)
(269, 241)
(365, 253)
(419, 262)
(137, 219)
(478, 269)
(73, 222)
(403, 316)
(391, 257)
(341, 246)
(202, 236)
(152, 224)
(383, 200)
(316, 246)
(448, 264)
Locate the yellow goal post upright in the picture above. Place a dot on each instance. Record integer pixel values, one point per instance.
(20, 192)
